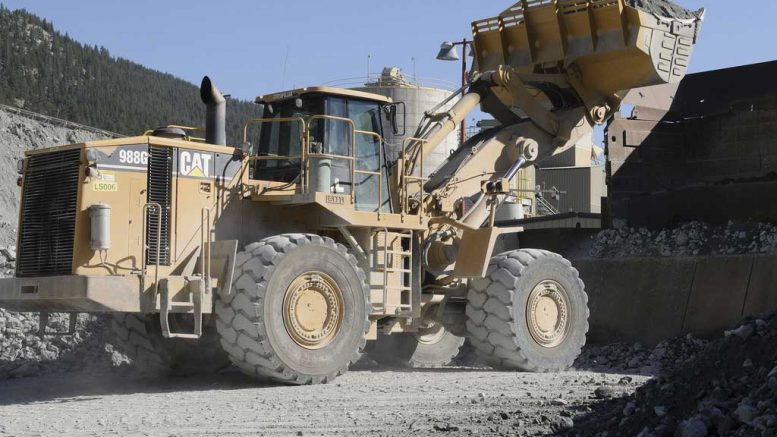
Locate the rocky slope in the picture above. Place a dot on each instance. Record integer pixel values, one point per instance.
(19, 134)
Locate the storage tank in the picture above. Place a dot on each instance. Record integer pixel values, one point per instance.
(418, 99)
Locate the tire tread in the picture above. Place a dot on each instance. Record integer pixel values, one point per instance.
(239, 319)
(489, 310)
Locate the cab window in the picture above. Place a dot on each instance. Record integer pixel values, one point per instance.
(282, 140)
(369, 156)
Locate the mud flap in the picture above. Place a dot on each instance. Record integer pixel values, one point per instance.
(222, 265)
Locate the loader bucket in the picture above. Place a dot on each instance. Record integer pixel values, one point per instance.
(615, 44)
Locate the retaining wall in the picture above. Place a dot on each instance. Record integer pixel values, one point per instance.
(648, 300)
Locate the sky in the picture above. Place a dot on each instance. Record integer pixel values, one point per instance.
(258, 47)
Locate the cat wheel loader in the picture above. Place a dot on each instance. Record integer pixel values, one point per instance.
(287, 254)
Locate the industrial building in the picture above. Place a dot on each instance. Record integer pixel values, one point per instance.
(417, 99)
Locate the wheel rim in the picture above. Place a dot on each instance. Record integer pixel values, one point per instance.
(313, 310)
(430, 333)
(547, 314)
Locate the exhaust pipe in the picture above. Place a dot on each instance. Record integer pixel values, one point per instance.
(215, 115)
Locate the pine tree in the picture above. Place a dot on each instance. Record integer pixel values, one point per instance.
(55, 75)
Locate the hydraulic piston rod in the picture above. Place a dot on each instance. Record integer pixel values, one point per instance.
(453, 118)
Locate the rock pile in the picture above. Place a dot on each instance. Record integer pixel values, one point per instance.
(24, 353)
(728, 388)
(7, 261)
(688, 239)
(664, 8)
(637, 359)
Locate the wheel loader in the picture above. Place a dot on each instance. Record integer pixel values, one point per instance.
(297, 251)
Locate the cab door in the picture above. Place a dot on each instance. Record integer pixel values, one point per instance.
(372, 191)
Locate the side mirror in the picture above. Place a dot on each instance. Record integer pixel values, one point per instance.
(396, 112)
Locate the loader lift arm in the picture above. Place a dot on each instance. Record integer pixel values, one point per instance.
(548, 71)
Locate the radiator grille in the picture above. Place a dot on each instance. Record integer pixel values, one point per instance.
(160, 176)
(48, 216)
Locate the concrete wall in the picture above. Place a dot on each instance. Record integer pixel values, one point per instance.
(684, 148)
(582, 187)
(748, 201)
(648, 300)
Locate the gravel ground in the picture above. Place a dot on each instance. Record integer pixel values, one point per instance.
(684, 386)
(362, 402)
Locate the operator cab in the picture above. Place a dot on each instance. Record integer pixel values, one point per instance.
(313, 137)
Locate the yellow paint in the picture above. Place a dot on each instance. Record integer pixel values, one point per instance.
(195, 172)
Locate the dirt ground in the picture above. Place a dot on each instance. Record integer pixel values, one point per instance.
(368, 401)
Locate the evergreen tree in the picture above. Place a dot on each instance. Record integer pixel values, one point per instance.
(45, 71)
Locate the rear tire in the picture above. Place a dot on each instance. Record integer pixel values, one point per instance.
(298, 311)
(139, 337)
(417, 351)
(529, 313)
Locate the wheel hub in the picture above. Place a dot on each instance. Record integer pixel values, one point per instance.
(547, 314)
(313, 310)
(430, 333)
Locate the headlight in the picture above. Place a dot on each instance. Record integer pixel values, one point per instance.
(92, 156)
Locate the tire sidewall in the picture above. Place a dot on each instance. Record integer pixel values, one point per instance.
(439, 353)
(561, 356)
(332, 357)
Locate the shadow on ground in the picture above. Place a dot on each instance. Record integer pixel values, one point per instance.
(79, 387)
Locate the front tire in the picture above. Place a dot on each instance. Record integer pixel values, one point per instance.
(529, 313)
(298, 310)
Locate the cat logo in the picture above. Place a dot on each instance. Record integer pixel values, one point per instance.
(193, 164)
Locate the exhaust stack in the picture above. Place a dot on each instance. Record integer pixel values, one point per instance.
(215, 116)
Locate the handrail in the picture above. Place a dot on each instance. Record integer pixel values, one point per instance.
(385, 268)
(406, 178)
(302, 137)
(305, 153)
(351, 156)
(205, 242)
(186, 128)
(378, 173)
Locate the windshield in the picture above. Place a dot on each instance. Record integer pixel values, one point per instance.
(330, 136)
(283, 138)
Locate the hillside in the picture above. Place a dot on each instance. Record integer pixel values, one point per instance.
(18, 134)
(44, 71)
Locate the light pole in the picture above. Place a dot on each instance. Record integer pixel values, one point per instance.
(448, 52)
